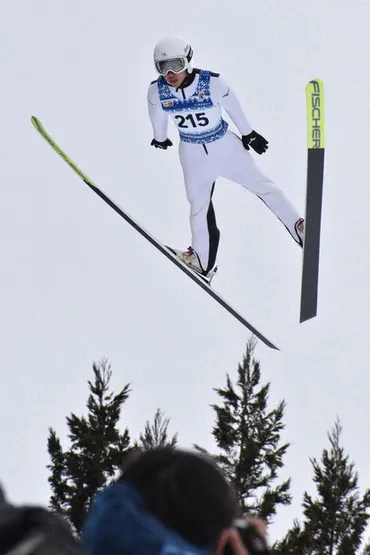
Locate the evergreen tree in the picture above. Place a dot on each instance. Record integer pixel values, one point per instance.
(97, 448)
(156, 433)
(248, 435)
(296, 542)
(335, 521)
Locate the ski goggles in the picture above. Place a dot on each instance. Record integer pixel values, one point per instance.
(175, 65)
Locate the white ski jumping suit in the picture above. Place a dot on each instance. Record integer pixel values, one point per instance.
(208, 150)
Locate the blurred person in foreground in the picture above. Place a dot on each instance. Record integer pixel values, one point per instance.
(31, 530)
(170, 502)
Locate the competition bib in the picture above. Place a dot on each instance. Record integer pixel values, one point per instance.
(197, 118)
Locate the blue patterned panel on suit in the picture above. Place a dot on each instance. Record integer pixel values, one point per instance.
(209, 127)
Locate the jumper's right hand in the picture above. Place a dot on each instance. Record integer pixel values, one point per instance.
(161, 144)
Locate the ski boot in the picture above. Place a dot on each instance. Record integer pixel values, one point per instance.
(299, 229)
(191, 259)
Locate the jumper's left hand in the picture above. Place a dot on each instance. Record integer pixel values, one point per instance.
(256, 141)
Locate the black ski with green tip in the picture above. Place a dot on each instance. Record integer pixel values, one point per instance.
(314, 195)
(157, 244)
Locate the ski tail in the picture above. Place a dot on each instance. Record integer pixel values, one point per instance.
(315, 176)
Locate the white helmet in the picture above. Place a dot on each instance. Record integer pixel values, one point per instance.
(173, 54)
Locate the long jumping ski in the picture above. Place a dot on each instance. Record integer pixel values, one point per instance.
(157, 244)
(315, 177)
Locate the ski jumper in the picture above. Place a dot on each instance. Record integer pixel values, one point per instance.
(208, 150)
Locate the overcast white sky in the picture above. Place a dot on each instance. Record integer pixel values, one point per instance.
(78, 284)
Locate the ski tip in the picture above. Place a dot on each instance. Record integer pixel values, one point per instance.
(317, 80)
(315, 114)
(35, 122)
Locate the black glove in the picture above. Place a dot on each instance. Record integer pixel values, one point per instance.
(163, 145)
(256, 141)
